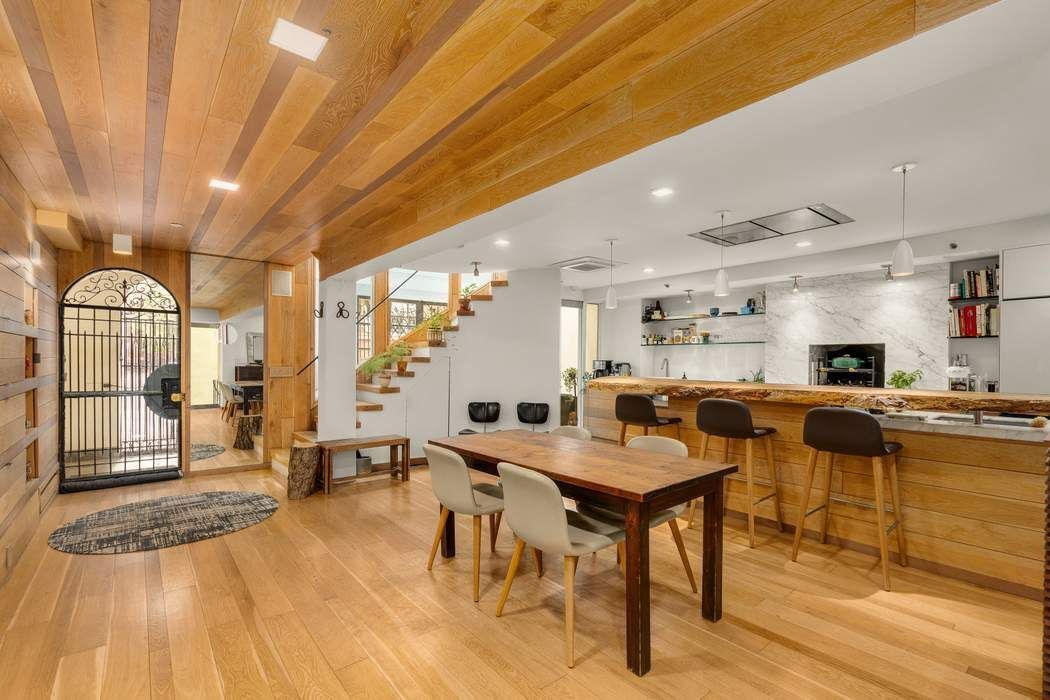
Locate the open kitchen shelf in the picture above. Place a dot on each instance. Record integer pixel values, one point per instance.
(704, 317)
(702, 345)
(970, 337)
(974, 300)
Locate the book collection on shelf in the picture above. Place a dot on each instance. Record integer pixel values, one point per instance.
(976, 284)
(974, 321)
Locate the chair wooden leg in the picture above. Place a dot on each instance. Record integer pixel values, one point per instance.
(537, 558)
(442, 519)
(826, 498)
(623, 434)
(621, 557)
(678, 431)
(512, 569)
(704, 437)
(880, 518)
(725, 458)
(570, 621)
(493, 531)
(774, 482)
(811, 468)
(691, 513)
(677, 534)
(895, 495)
(749, 464)
(476, 551)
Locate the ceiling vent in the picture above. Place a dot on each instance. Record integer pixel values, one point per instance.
(773, 226)
(588, 263)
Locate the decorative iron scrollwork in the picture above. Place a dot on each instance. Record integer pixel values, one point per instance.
(121, 289)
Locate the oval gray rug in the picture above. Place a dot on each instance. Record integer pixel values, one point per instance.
(162, 522)
(205, 450)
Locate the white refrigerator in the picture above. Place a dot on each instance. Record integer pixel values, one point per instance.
(1024, 331)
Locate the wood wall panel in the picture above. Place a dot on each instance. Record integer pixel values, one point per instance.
(28, 448)
(973, 508)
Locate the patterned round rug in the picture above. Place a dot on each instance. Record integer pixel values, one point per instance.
(162, 522)
(205, 450)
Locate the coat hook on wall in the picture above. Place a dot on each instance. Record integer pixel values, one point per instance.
(341, 310)
(319, 312)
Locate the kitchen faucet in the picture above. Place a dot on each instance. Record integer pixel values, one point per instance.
(666, 367)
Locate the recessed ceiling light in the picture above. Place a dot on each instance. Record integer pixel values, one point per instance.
(176, 224)
(661, 192)
(648, 270)
(803, 244)
(298, 40)
(223, 185)
(501, 242)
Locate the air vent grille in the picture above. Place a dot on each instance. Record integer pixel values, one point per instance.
(588, 263)
(784, 223)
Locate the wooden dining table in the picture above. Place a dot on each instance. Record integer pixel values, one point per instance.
(635, 482)
(248, 391)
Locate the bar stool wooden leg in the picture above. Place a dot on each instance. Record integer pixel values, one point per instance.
(515, 559)
(680, 543)
(826, 498)
(537, 558)
(725, 458)
(442, 519)
(645, 430)
(623, 433)
(692, 504)
(880, 517)
(811, 468)
(570, 613)
(704, 437)
(895, 495)
(678, 431)
(477, 557)
(749, 462)
(773, 481)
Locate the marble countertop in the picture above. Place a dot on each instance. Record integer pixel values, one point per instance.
(994, 427)
(802, 394)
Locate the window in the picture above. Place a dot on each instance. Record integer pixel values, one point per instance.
(365, 334)
(416, 297)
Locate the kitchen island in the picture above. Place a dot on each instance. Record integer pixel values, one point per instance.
(973, 495)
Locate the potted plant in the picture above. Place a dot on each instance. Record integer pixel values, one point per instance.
(464, 298)
(398, 352)
(568, 398)
(436, 327)
(904, 380)
(373, 367)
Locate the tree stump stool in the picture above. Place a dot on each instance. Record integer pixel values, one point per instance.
(304, 470)
(247, 426)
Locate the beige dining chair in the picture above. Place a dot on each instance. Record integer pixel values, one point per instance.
(230, 402)
(450, 480)
(538, 517)
(572, 431)
(664, 445)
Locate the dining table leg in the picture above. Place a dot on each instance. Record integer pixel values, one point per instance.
(637, 529)
(448, 537)
(711, 585)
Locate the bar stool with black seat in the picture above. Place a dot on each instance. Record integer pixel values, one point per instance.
(731, 420)
(850, 431)
(533, 414)
(639, 410)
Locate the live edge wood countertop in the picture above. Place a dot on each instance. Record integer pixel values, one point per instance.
(805, 395)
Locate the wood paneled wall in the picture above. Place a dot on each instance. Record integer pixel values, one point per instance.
(28, 390)
(169, 267)
(289, 333)
(973, 508)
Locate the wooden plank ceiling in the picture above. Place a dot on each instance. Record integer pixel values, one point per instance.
(417, 115)
(240, 284)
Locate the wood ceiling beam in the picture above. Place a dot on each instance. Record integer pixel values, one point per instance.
(163, 28)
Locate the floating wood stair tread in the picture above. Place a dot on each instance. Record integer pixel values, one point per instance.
(418, 358)
(376, 389)
(481, 297)
(398, 373)
(368, 406)
(499, 283)
(428, 344)
(465, 313)
(304, 436)
(451, 329)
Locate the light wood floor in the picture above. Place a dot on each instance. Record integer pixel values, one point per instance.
(207, 426)
(330, 598)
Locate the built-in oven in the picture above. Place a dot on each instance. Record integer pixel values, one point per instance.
(848, 364)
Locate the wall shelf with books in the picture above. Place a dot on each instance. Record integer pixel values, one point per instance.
(973, 314)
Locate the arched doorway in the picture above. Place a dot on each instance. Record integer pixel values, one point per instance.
(119, 411)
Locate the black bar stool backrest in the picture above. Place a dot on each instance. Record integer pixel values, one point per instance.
(846, 431)
(483, 411)
(635, 409)
(725, 418)
(533, 413)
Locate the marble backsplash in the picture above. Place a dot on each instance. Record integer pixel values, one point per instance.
(909, 315)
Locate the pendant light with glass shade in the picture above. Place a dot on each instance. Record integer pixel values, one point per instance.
(903, 261)
(610, 294)
(722, 277)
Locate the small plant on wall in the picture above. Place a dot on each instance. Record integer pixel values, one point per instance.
(904, 380)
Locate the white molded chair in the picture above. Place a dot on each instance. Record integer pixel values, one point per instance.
(668, 446)
(572, 431)
(450, 480)
(537, 515)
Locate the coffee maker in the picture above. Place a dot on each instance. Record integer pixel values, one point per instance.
(602, 368)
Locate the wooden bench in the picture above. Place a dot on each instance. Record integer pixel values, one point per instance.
(399, 463)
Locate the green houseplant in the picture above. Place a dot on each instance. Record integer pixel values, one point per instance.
(436, 327)
(464, 298)
(904, 380)
(569, 380)
(398, 352)
(372, 367)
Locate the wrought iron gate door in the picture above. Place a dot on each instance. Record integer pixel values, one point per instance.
(119, 388)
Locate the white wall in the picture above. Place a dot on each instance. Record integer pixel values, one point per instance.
(202, 315)
(236, 353)
(337, 362)
(620, 335)
(909, 315)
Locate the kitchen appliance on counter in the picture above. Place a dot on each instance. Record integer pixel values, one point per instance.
(602, 368)
(847, 365)
(623, 369)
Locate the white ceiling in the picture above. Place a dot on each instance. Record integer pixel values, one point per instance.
(968, 101)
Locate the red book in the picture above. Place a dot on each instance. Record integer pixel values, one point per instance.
(971, 321)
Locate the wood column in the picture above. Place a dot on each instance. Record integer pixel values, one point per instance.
(453, 295)
(381, 316)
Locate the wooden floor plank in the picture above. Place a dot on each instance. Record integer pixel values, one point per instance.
(330, 597)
